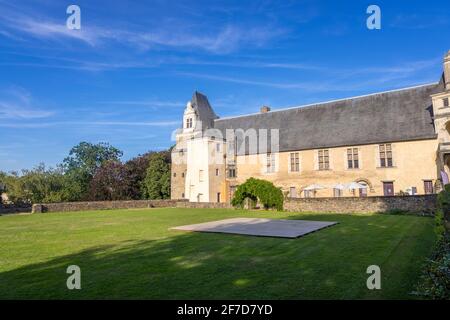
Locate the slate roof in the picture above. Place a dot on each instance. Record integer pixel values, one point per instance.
(400, 115)
(204, 111)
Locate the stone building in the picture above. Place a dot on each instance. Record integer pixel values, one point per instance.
(388, 143)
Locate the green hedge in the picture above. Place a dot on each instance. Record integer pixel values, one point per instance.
(258, 190)
(435, 280)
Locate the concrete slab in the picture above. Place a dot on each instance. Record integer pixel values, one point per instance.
(259, 227)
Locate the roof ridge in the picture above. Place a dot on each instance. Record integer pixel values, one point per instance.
(317, 104)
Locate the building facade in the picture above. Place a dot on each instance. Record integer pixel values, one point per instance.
(388, 143)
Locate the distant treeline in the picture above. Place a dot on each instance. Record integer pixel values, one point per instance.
(91, 172)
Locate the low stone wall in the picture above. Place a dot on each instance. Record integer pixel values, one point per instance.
(132, 204)
(9, 208)
(423, 204)
(103, 205)
(204, 205)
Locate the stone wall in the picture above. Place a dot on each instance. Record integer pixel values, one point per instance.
(132, 204)
(206, 205)
(10, 208)
(423, 204)
(102, 205)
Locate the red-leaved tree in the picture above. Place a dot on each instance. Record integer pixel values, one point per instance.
(110, 182)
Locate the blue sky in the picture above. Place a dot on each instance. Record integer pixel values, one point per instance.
(126, 76)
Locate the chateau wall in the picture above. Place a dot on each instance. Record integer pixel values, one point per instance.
(424, 204)
(178, 170)
(177, 184)
(177, 180)
(217, 162)
(197, 160)
(413, 161)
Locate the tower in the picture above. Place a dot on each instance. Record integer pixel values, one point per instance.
(195, 171)
(441, 114)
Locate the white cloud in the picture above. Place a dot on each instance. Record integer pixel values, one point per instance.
(16, 103)
(52, 30)
(414, 21)
(307, 85)
(341, 79)
(129, 123)
(146, 103)
(89, 123)
(225, 39)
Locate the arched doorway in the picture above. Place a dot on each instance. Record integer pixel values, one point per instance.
(365, 182)
(363, 191)
(447, 127)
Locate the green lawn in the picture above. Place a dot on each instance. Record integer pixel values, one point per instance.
(132, 254)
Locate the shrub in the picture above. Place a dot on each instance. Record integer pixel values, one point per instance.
(397, 212)
(439, 224)
(435, 279)
(259, 190)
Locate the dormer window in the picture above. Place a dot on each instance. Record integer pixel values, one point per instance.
(446, 103)
(188, 123)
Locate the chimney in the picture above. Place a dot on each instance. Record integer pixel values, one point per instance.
(447, 70)
(265, 109)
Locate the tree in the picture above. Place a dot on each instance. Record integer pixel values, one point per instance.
(36, 185)
(110, 182)
(90, 156)
(92, 171)
(80, 166)
(3, 176)
(257, 189)
(137, 170)
(157, 179)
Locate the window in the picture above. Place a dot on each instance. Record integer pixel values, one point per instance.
(324, 160)
(232, 148)
(270, 163)
(363, 191)
(352, 158)
(428, 186)
(232, 191)
(218, 196)
(189, 123)
(182, 196)
(307, 193)
(232, 172)
(200, 175)
(182, 174)
(218, 147)
(388, 188)
(292, 192)
(385, 155)
(174, 174)
(217, 172)
(295, 162)
(446, 103)
(337, 192)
